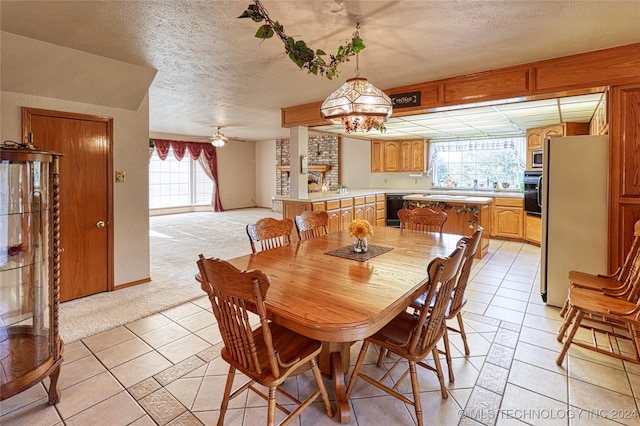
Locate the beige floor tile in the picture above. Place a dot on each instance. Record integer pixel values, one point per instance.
(36, 413)
(107, 339)
(487, 279)
(540, 338)
(482, 406)
(164, 335)
(581, 417)
(551, 325)
(185, 390)
(493, 378)
(531, 407)
(507, 303)
(182, 311)
(144, 421)
(123, 352)
(544, 311)
(599, 375)
(471, 325)
(77, 371)
(478, 296)
(162, 407)
(482, 287)
(120, 409)
(539, 356)
(138, 369)
(475, 307)
(210, 394)
(381, 410)
(145, 325)
(86, 394)
(211, 334)
(183, 348)
(35, 394)
(599, 400)
(74, 351)
(505, 314)
(513, 294)
(198, 321)
(539, 380)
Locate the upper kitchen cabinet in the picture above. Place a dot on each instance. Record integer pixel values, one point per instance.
(398, 156)
(537, 135)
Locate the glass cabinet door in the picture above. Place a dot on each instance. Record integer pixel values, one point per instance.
(30, 347)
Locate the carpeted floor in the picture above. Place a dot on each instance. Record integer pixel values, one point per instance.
(176, 241)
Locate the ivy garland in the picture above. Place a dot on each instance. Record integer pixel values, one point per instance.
(298, 51)
(474, 211)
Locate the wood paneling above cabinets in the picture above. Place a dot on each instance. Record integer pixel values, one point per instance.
(398, 156)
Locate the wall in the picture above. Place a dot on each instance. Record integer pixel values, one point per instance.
(265, 172)
(130, 153)
(237, 174)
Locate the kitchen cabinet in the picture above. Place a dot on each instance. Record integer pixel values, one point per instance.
(398, 156)
(377, 156)
(381, 210)
(536, 136)
(533, 229)
(599, 123)
(508, 218)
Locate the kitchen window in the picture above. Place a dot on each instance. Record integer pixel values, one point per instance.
(174, 183)
(477, 163)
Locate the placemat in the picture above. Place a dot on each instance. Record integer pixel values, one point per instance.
(348, 253)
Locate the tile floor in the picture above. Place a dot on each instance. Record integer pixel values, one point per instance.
(165, 369)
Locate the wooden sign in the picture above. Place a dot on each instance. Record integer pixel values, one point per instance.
(402, 100)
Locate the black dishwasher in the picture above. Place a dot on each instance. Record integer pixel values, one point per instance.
(395, 202)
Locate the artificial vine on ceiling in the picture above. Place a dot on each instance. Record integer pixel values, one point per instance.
(298, 51)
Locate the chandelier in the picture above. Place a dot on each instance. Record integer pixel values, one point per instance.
(357, 104)
(218, 139)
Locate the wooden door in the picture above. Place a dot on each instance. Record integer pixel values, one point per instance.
(391, 156)
(86, 234)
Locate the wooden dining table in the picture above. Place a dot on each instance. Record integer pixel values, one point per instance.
(340, 300)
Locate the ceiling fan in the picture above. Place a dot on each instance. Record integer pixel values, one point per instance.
(218, 139)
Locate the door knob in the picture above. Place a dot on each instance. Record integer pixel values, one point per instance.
(100, 224)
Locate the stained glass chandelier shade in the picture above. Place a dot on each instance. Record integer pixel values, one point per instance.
(359, 105)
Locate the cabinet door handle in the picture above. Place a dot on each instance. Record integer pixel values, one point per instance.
(100, 224)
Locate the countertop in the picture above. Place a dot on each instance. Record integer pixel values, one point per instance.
(472, 196)
(464, 199)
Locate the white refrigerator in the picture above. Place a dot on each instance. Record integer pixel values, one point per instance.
(574, 211)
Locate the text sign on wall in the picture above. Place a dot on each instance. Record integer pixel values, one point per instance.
(402, 100)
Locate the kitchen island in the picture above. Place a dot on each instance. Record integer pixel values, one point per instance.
(464, 214)
(366, 204)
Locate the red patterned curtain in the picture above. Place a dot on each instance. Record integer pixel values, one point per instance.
(195, 150)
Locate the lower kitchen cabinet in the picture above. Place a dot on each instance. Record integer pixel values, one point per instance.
(508, 218)
(533, 229)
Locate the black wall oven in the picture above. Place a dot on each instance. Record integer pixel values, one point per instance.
(533, 193)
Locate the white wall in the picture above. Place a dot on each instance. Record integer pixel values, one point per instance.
(265, 172)
(130, 153)
(237, 174)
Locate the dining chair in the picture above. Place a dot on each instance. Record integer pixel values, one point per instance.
(614, 319)
(458, 299)
(615, 284)
(267, 354)
(312, 224)
(423, 219)
(269, 233)
(412, 337)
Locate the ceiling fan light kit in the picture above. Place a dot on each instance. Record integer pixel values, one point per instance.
(218, 139)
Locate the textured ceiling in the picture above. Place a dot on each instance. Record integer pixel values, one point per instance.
(211, 71)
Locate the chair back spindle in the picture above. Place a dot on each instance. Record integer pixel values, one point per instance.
(312, 224)
(269, 233)
(423, 219)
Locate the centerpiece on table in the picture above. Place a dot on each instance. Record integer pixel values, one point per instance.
(360, 228)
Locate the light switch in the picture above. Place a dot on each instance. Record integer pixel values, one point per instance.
(119, 176)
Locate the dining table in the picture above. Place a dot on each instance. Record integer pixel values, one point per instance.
(322, 289)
